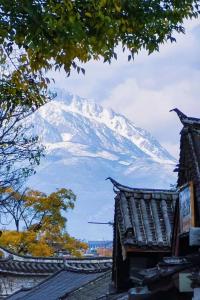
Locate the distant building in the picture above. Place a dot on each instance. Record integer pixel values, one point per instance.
(99, 244)
(105, 252)
(101, 248)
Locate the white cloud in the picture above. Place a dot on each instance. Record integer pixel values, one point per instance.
(149, 107)
(159, 83)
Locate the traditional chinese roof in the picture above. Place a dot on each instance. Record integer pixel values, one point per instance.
(95, 289)
(64, 283)
(45, 266)
(38, 268)
(71, 285)
(144, 217)
(164, 269)
(164, 275)
(18, 267)
(156, 281)
(189, 161)
(89, 265)
(98, 288)
(15, 264)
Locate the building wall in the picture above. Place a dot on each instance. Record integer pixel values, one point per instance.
(9, 284)
(104, 252)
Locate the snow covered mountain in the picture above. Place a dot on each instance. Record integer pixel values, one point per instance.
(86, 143)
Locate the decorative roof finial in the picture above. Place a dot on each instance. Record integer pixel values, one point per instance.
(185, 120)
(181, 115)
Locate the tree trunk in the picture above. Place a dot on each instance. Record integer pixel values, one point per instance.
(17, 225)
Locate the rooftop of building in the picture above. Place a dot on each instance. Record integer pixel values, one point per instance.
(144, 217)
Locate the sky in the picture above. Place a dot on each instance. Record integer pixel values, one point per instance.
(144, 90)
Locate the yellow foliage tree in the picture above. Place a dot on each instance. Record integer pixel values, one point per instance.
(42, 216)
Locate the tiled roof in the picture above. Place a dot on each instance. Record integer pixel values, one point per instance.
(94, 289)
(29, 267)
(99, 288)
(59, 285)
(147, 276)
(71, 273)
(19, 294)
(144, 217)
(11, 266)
(45, 266)
(89, 265)
(166, 268)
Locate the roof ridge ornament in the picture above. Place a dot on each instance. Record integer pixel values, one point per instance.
(185, 120)
(114, 182)
(124, 188)
(181, 115)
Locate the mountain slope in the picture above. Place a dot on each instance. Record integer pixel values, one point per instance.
(85, 143)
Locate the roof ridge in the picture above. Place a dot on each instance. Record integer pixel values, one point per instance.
(125, 188)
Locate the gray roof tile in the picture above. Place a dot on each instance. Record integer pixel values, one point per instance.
(59, 285)
(145, 216)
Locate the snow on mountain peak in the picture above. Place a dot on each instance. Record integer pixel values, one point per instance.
(83, 121)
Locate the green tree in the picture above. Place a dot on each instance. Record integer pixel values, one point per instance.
(51, 33)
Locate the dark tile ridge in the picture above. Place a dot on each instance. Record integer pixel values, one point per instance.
(125, 188)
